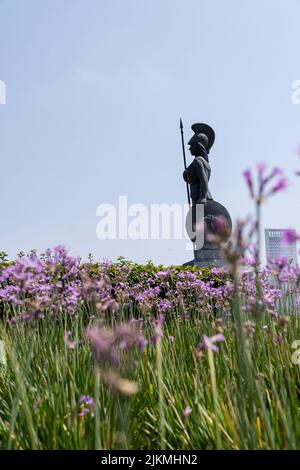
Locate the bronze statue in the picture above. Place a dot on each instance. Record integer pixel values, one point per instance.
(215, 225)
(198, 172)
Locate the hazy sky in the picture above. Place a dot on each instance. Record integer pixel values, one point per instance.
(94, 92)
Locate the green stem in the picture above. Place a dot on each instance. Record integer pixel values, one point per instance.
(258, 227)
(215, 396)
(97, 409)
(160, 394)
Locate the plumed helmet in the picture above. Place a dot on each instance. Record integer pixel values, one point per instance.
(203, 134)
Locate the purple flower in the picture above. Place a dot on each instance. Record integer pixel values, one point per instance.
(84, 412)
(262, 182)
(208, 343)
(277, 171)
(164, 305)
(102, 341)
(248, 178)
(142, 343)
(290, 236)
(85, 402)
(88, 400)
(281, 185)
(165, 274)
(261, 167)
(71, 344)
(108, 344)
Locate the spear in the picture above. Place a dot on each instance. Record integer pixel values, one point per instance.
(184, 160)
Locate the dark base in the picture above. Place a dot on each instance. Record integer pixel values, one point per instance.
(208, 258)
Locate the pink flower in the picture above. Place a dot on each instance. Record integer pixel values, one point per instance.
(248, 177)
(281, 185)
(88, 400)
(277, 171)
(187, 411)
(261, 168)
(208, 343)
(108, 344)
(260, 192)
(290, 236)
(71, 344)
(84, 412)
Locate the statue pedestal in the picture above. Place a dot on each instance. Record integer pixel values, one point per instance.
(214, 226)
(207, 257)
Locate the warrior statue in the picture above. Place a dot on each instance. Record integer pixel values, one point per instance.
(215, 225)
(197, 173)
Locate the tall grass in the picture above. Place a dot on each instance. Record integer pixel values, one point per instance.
(240, 398)
(180, 392)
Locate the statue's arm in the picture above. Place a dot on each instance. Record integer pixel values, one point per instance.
(201, 172)
(189, 174)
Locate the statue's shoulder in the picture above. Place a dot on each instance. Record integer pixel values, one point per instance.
(203, 161)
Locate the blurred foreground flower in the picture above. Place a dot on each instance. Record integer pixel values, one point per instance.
(70, 343)
(87, 405)
(209, 343)
(290, 236)
(113, 352)
(262, 190)
(87, 400)
(187, 411)
(97, 293)
(234, 251)
(109, 344)
(265, 186)
(119, 384)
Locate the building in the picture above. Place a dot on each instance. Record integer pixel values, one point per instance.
(276, 247)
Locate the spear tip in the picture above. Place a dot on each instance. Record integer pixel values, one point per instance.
(181, 125)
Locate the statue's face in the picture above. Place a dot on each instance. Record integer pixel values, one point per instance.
(197, 149)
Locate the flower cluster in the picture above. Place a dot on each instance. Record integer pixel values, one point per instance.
(110, 344)
(267, 185)
(209, 343)
(55, 284)
(87, 405)
(113, 352)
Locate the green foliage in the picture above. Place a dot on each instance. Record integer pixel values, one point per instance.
(5, 264)
(3, 256)
(140, 273)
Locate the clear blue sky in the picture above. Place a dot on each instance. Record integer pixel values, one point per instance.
(95, 90)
